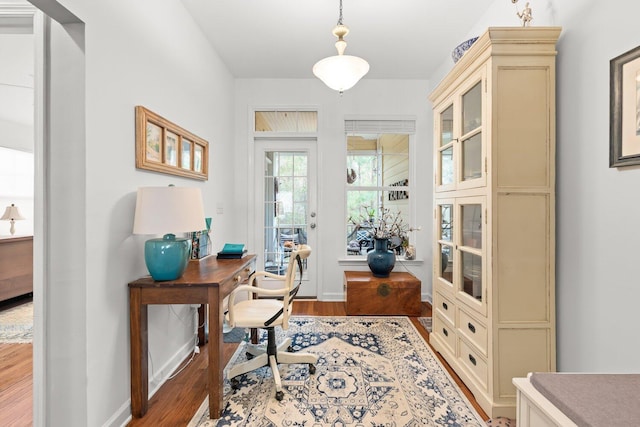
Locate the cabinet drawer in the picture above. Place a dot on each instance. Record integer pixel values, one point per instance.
(475, 331)
(445, 307)
(446, 332)
(473, 362)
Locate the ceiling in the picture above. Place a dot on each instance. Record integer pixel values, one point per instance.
(401, 39)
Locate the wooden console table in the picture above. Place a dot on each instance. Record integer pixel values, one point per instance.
(398, 294)
(207, 281)
(16, 266)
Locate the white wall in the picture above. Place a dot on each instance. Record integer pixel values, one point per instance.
(597, 290)
(380, 98)
(141, 53)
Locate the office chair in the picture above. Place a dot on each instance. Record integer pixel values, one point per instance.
(267, 313)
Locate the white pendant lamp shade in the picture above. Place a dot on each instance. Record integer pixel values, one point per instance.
(341, 72)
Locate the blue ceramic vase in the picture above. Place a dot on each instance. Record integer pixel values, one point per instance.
(381, 260)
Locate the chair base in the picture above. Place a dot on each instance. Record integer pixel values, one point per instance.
(272, 356)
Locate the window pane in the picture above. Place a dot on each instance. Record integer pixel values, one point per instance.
(300, 189)
(300, 164)
(286, 121)
(362, 170)
(307, 121)
(472, 109)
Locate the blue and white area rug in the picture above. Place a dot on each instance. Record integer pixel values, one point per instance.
(16, 324)
(372, 371)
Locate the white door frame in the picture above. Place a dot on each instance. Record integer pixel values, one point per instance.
(294, 144)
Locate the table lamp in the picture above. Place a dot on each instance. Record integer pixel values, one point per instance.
(169, 210)
(12, 214)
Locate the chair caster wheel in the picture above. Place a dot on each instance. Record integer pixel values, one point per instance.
(235, 384)
(290, 349)
(312, 368)
(279, 395)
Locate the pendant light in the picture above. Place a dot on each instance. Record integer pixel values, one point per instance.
(341, 72)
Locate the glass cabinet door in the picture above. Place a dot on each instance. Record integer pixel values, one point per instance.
(471, 141)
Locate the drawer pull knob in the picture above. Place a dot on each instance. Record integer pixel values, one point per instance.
(445, 306)
(445, 332)
(471, 327)
(472, 360)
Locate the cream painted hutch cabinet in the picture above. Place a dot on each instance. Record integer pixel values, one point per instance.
(494, 202)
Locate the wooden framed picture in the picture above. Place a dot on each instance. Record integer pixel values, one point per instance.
(624, 131)
(163, 146)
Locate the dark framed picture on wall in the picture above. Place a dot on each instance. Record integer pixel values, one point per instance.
(624, 126)
(163, 146)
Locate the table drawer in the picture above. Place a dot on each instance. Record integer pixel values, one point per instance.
(475, 331)
(473, 362)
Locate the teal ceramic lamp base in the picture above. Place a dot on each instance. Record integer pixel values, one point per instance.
(167, 257)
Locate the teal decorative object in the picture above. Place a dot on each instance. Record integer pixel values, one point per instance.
(166, 258)
(381, 260)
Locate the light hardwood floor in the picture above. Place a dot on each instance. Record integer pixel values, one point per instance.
(177, 400)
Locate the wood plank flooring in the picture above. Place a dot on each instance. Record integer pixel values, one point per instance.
(178, 399)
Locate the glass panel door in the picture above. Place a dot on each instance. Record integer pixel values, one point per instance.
(287, 218)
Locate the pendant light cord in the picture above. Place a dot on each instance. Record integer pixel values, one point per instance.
(340, 18)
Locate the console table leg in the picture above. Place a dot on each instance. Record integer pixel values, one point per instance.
(216, 374)
(139, 351)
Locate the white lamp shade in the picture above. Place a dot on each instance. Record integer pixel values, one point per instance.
(12, 213)
(341, 72)
(162, 210)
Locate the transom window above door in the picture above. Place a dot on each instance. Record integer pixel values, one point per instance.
(286, 121)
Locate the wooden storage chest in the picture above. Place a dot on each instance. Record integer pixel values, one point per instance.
(398, 294)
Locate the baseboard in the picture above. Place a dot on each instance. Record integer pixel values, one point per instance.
(123, 415)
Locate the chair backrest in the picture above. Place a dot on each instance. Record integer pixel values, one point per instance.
(298, 254)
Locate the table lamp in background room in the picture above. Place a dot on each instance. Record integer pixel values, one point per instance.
(168, 210)
(12, 214)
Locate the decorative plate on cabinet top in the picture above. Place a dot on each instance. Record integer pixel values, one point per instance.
(462, 48)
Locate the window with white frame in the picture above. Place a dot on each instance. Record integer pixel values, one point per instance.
(378, 166)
